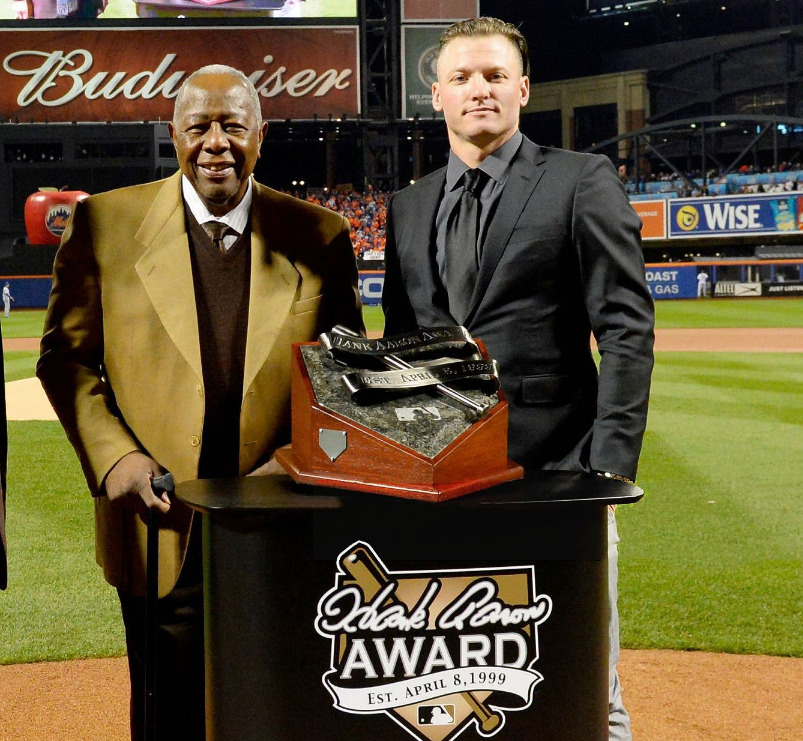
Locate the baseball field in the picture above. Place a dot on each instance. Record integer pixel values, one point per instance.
(711, 559)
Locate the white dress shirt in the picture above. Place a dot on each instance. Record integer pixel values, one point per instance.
(237, 218)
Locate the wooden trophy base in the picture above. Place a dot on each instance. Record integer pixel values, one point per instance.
(371, 462)
(421, 491)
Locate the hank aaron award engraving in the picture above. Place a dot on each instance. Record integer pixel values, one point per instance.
(419, 415)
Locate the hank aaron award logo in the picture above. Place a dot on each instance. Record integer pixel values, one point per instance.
(436, 651)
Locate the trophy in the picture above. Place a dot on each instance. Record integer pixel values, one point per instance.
(419, 415)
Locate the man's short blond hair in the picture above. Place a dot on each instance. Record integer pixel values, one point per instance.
(486, 26)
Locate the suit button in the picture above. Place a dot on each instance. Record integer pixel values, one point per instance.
(195, 441)
(200, 390)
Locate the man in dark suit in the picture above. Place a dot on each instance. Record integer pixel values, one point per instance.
(167, 347)
(532, 249)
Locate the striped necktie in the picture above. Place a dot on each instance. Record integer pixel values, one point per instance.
(217, 230)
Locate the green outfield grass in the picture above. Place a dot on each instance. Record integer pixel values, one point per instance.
(711, 559)
(20, 364)
(769, 312)
(774, 312)
(57, 605)
(693, 313)
(23, 323)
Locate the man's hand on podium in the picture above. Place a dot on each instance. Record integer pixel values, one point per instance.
(129, 481)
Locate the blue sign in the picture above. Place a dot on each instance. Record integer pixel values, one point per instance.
(666, 281)
(723, 216)
(371, 284)
(29, 293)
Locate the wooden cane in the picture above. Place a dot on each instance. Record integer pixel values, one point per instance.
(158, 484)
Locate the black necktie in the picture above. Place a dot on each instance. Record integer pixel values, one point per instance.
(217, 230)
(460, 253)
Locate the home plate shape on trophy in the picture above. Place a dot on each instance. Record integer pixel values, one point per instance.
(436, 651)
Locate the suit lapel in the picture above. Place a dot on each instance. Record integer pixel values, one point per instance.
(525, 174)
(166, 272)
(274, 282)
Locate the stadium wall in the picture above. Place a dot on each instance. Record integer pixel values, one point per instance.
(669, 280)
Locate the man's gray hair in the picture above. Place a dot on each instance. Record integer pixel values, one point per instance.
(221, 69)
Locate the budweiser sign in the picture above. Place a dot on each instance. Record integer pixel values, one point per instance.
(133, 75)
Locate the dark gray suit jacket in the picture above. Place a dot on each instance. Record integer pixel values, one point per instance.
(561, 259)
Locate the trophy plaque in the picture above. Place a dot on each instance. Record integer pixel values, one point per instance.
(419, 415)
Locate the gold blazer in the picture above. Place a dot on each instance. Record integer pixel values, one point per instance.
(121, 359)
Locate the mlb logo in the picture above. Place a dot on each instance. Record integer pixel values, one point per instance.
(436, 715)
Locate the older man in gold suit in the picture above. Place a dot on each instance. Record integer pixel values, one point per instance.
(167, 347)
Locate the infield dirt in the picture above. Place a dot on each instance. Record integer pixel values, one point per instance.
(671, 695)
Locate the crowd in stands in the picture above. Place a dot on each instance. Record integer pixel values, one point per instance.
(746, 179)
(366, 213)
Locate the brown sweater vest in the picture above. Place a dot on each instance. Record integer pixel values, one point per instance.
(222, 287)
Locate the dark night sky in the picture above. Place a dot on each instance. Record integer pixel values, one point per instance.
(554, 37)
(562, 46)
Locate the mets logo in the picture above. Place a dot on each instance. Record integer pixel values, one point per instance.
(435, 651)
(57, 217)
(688, 217)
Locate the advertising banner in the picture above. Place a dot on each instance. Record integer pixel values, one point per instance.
(735, 215)
(737, 289)
(653, 218)
(371, 284)
(672, 281)
(439, 10)
(787, 288)
(90, 11)
(134, 74)
(419, 51)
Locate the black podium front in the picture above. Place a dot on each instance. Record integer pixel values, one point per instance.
(348, 617)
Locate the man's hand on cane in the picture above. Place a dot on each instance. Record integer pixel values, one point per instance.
(130, 482)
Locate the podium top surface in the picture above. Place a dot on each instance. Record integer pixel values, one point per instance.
(275, 493)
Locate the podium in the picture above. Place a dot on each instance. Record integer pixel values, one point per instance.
(344, 616)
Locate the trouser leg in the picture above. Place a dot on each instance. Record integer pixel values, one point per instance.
(180, 662)
(618, 718)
